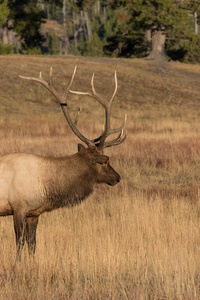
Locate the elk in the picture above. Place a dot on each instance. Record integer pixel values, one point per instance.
(31, 184)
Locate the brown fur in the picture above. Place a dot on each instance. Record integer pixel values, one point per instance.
(31, 185)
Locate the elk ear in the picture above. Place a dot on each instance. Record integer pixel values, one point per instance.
(80, 147)
(100, 159)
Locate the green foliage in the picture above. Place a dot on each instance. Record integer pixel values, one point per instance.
(84, 4)
(193, 6)
(53, 43)
(127, 46)
(33, 51)
(182, 43)
(128, 39)
(104, 23)
(4, 11)
(105, 27)
(53, 9)
(139, 16)
(27, 18)
(184, 50)
(100, 21)
(193, 49)
(6, 49)
(94, 47)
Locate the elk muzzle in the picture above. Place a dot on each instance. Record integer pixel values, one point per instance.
(108, 175)
(116, 179)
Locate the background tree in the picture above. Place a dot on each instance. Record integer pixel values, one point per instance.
(94, 47)
(129, 28)
(27, 18)
(5, 48)
(148, 23)
(4, 12)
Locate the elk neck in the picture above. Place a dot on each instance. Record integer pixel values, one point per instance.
(67, 180)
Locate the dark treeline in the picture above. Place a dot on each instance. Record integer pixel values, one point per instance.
(120, 28)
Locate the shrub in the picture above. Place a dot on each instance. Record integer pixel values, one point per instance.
(193, 53)
(33, 51)
(94, 47)
(6, 49)
(53, 43)
(187, 50)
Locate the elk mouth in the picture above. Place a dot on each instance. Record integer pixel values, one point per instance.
(113, 182)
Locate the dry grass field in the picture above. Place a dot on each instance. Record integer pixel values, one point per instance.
(139, 239)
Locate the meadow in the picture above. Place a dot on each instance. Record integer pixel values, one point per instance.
(139, 239)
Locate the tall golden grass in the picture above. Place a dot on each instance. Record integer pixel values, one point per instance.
(137, 240)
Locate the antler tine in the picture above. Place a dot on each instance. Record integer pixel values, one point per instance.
(112, 131)
(92, 95)
(70, 83)
(105, 104)
(116, 141)
(51, 77)
(92, 84)
(115, 90)
(100, 141)
(62, 99)
(95, 95)
(77, 114)
(49, 86)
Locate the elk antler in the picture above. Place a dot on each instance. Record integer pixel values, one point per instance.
(62, 99)
(100, 141)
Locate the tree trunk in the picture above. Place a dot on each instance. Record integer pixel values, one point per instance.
(97, 7)
(88, 26)
(74, 29)
(65, 35)
(148, 35)
(195, 23)
(158, 37)
(5, 40)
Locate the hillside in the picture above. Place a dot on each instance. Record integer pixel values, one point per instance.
(145, 87)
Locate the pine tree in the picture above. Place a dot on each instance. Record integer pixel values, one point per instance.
(27, 18)
(94, 47)
(5, 48)
(4, 11)
(148, 23)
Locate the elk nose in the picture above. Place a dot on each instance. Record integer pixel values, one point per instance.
(119, 178)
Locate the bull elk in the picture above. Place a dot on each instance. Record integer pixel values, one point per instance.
(31, 184)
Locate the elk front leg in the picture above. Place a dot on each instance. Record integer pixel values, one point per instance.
(19, 225)
(31, 226)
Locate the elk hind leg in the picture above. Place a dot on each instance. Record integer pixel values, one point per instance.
(30, 233)
(19, 225)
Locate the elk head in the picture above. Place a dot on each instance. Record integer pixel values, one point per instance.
(104, 172)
